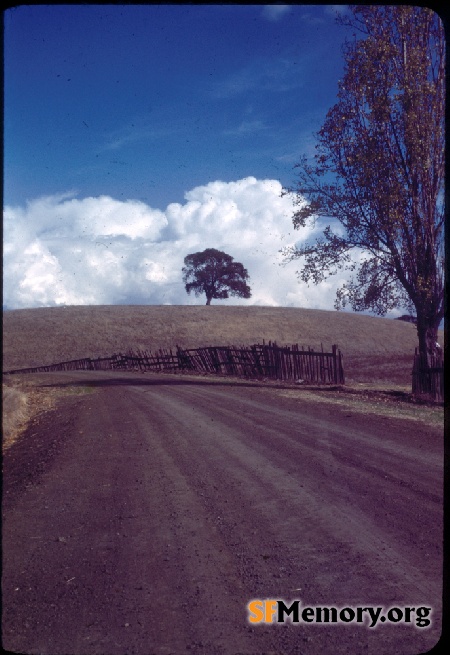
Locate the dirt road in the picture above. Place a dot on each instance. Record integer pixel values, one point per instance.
(141, 518)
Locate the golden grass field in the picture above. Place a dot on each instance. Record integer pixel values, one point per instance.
(373, 348)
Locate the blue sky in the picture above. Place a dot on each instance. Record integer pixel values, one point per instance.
(149, 132)
(151, 101)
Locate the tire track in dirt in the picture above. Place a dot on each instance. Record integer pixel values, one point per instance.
(263, 471)
(331, 461)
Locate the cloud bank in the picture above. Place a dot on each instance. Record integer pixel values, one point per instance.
(61, 250)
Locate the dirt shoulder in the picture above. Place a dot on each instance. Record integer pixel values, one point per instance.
(378, 400)
(25, 400)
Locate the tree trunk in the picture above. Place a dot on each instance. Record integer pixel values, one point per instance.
(208, 300)
(425, 375)
(427, 333)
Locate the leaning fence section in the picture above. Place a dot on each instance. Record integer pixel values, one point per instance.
(268, 361)
(428, 376)
(257, 361)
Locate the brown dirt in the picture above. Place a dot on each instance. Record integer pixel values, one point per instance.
(23, 402)
(142, 518)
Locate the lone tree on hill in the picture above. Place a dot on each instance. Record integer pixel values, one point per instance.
(215, 274)
(378, 171)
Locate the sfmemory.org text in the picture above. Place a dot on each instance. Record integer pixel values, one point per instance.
(277, 611)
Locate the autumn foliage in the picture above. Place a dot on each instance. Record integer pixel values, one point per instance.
(376, 183)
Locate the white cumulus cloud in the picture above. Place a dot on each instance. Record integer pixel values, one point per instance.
(61, 250)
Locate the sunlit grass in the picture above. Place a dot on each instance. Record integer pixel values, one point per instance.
(373, 348)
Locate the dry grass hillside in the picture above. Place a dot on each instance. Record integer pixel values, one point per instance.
(373, 348)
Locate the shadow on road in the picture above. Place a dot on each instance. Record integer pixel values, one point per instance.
(161, 381)
(98, 379)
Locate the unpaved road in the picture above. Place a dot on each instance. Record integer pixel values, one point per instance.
(143, 517)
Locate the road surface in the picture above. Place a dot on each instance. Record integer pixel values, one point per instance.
(143, 517)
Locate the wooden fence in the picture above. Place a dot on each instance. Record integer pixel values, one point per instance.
(257, 361)
(268, 361)
(428, 377)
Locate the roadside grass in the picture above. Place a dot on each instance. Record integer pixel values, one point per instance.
(23, 401)
(388, 403)
(15, 407)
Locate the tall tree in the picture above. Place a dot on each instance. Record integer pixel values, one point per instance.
(215, 274)
(378, 171)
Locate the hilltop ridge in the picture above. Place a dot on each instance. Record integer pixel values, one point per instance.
(49, 335)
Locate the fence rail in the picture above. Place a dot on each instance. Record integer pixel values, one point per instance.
(428, 376)
(260, 360)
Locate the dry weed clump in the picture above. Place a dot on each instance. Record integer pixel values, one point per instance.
(21, 404)
(15, 413)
